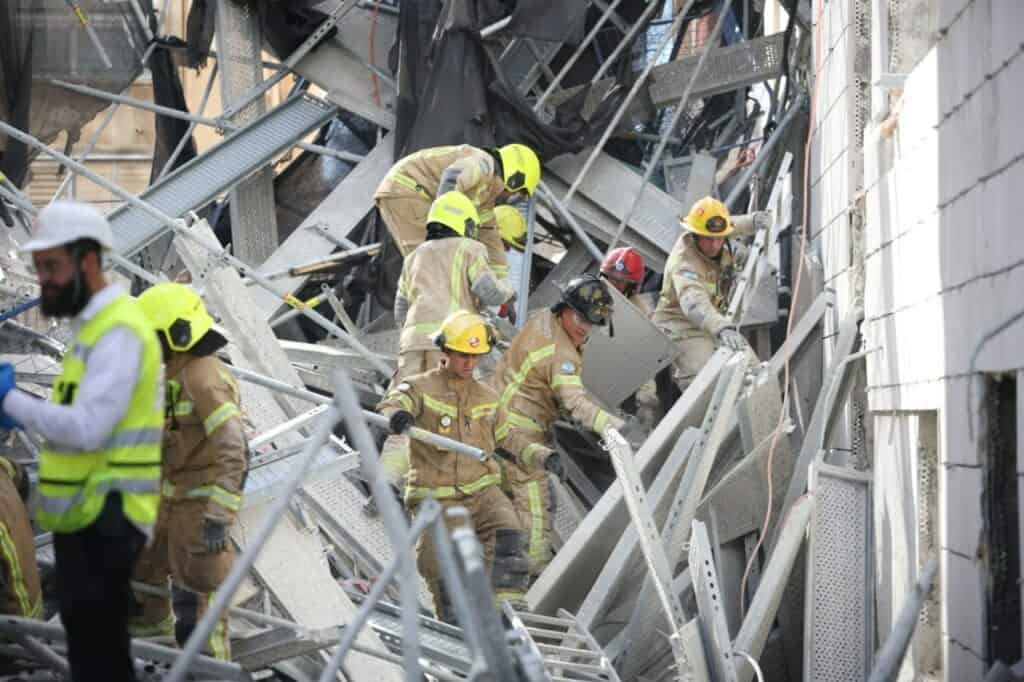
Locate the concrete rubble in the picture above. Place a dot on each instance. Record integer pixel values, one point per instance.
(718, 546)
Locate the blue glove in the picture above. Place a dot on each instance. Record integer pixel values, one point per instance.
(6, 379)
(6, 384)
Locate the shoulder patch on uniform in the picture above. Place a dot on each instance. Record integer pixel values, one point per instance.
(690, 274)
(403, 387)
(567, 368)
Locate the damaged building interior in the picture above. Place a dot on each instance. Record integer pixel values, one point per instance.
(830, 493)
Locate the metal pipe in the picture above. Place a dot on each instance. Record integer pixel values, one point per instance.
(556, 81)
(394, 522)
(17, 199)
(581, 234)
(633, 91)
(221, 670)
(254, 616)
(278, 507)
(217, 123)
(753, 631)
(429, 513)
(676, 115)
(488, 31)
(415, 432)
(91, 32)
(524, 273)
(312, 314)
(626, 40)
(96, 135)
(294, 58)
(338, 257)
(44, 654)
(207, 90)
(296, 422)
(889, 659)
(765, 152)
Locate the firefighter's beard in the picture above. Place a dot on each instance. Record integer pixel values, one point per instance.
(67, 300)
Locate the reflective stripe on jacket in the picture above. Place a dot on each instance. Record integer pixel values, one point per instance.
(420, 175)
(205, 450)
(462, 409)
(540, 378)
(437, 279)
(73, 484)
(694, 291)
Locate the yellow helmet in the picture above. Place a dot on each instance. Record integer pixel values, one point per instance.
(176, 313)
(511, 225)
(520, 167)
(455, 211)
(465, 332)
(709, 218)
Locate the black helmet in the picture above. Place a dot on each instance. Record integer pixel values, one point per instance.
(588, 295)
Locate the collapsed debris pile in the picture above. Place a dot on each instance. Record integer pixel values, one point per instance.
(716, 545)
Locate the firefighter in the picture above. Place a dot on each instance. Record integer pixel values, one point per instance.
(447, 400)
(205, 464)
(539, 379)
(623, 267)
(695, 291)
(446, 273)
(511, 226)
(20, 592)
(486, 176)
(99, 472)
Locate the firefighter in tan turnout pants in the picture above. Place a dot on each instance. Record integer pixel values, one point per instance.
(698, 280)
(205, 464)
(447, 400)
(20, 592)
(539, 379)
(486, 176)
(446, 273)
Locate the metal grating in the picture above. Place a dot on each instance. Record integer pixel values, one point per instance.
(440, 642)
(839, 639)
(726, 69)
(61, 49)
(340, 503)
(567, 510)
(199, 181)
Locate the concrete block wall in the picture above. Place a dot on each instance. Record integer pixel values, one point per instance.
(944, 265)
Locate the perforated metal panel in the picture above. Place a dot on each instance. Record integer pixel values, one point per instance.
(196, 183)
(340, 504)
(441, 642)
(839, 637)
(567, 511)
(726, 69)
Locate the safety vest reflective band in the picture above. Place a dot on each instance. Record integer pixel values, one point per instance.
(73, 483)
(441, 492)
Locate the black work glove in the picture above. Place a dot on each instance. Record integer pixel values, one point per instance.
(400, 422)
(215, 534)
(553, 463)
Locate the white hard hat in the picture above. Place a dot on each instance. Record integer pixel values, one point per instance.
(64, 222)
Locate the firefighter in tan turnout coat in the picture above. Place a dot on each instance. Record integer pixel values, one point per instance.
(447, 400)
(539, 379)
(204, 467)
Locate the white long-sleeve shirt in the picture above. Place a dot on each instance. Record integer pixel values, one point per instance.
(102, 398)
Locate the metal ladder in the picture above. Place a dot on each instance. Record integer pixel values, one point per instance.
(569, 651)
(199, 181)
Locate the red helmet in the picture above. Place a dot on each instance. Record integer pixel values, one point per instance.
(624, 263)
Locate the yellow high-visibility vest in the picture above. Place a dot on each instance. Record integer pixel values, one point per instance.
(73, 485)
